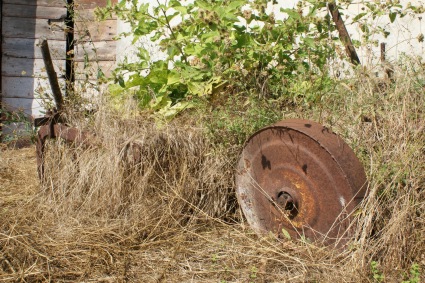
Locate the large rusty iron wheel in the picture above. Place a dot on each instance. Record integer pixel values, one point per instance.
(296, 177)
(70, 135)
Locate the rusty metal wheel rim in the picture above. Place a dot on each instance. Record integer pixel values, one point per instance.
(299, 177)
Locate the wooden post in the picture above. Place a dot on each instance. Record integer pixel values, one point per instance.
(53, 78)
(343, 33)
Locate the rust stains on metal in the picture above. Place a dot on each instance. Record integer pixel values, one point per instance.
(68, 134)
(302, 178)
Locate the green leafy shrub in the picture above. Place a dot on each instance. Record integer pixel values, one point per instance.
(221, 48)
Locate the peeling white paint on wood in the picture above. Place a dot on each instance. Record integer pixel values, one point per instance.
(49, 3)
(23, 73)
(42, 12)
(27, 48)
(22, 67)
(27, 88)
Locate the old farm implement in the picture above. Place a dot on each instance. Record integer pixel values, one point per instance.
(295, 178)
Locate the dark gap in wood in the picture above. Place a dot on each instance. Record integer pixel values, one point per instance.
(1, 71)
(69, 68)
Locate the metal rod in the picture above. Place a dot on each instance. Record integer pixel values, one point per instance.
(343, 33)
(53, 78)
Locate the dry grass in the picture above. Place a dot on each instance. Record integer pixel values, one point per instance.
(172, 217)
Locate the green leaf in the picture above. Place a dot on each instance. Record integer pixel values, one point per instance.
(160, 102)
(175, 4)
(392, 17)
(144, 54)
(115, 90)
(210, 36)
(196, 88)
(359, 16)
(170, 111)
(121, 81)
(286, 234)
(309, 42)
(173, 78)
(100, 73)
(181, 9)
(203, 5)
(234, 5)
(291, 13)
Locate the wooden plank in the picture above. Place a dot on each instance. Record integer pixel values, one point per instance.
(31, 107)
(96, 51)
(34, 28)
(28, 48)
(79, 4)
(95, 31)
(28, 88)
(50, 3)
(22, 67)
(26, 11)
(91, 71)
(87, 15)
(18, 87)
(91, 4)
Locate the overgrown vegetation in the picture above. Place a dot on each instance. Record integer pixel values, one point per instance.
(236, 59)
(15, 126)
(171, 216)
(216, 49)
(212, 50)
(99, 216)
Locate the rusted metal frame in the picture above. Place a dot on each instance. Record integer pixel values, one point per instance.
(50, 117)
(53, 78)
(58, 131)
(343, 33)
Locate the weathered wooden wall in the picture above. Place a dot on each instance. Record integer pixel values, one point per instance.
(95, 43)
(24, 22)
